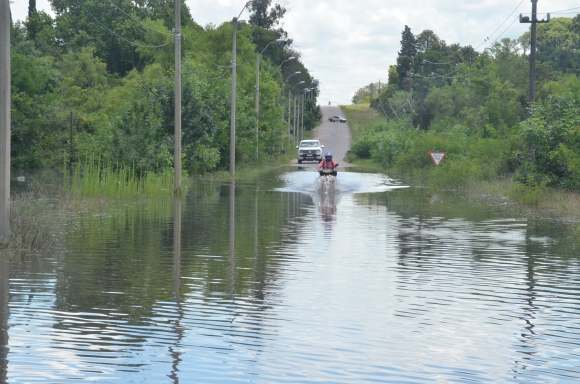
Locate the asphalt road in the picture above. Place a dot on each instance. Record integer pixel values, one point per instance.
(334, 136)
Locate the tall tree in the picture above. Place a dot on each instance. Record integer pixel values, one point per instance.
(408, 43)
(428, 40)
(265, 15)
(31, 7)
(109, 28)
(406, 54)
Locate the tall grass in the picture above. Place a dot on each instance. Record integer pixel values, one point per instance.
(97, 178)
(361, 115)
(32, 229)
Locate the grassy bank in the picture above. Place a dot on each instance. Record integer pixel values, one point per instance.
(466, 178)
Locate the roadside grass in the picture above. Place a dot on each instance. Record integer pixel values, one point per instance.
(361, 115)
(96, 178)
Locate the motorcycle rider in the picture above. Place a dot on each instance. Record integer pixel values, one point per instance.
(329, 164)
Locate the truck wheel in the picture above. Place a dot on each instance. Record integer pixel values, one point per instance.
(299, 161)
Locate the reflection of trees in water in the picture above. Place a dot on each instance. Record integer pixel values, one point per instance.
(129, 251)
(411, 243)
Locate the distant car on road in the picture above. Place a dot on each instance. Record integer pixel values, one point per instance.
(337, 118)
(309, 150)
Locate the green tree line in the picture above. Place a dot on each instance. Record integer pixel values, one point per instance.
(111, 64)
(476, 108)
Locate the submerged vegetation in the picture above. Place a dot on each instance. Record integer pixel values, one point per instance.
(106, 180)
(477, 110)
(32, 227)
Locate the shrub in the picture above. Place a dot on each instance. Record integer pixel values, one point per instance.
(552, 136)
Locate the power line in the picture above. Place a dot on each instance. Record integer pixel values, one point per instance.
(454, 61)
(472, 73)
(119, 36)
(507, 18)
(220, 76)
(564, 10)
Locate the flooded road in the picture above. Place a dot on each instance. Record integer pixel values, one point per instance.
(273, 282)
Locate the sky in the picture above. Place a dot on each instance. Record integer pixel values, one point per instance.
(347, 44)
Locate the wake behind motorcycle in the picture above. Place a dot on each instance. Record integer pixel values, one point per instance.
(327, 182)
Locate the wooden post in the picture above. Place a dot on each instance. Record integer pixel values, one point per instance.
(177, 112)
(257, 102)
(4, 121)
(421, 125)
(233, 106)
(533, 53)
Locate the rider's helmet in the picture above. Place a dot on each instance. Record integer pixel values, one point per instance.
(328, 156)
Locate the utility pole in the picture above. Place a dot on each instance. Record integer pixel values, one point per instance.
(533, 53)
(257, 101)
(294, 119)
(302, 117)
(233, 107)
(177, 112)
(297, 116)
(533, 21)
(71, 148)
(289, 103)
(4, 121)
(421, 125)
(258, 89)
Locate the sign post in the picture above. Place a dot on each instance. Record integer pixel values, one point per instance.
(437, 157)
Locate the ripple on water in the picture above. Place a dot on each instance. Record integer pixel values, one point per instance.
(334, 288)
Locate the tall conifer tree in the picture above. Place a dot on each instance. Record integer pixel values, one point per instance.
(406, 54)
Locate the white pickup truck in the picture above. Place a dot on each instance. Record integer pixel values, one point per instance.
(309, 150)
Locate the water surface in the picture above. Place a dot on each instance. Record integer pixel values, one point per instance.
(271, 281)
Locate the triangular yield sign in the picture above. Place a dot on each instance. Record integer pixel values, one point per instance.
(437, 157)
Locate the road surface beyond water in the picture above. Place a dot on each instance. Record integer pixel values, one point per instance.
(334, 136)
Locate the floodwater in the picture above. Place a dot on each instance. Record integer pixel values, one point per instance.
(273, 282)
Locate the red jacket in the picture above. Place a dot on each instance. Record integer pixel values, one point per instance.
(327, 165)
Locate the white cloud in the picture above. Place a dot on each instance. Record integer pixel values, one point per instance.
(347, 44)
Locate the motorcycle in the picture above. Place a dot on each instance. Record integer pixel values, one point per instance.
(327, 180)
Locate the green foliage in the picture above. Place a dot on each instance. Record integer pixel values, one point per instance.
(453, 174)
(476, 109)
(552, 135)
(405, 56)
(96, 60)
(529, 193)
(265, 15)
(558, 44)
